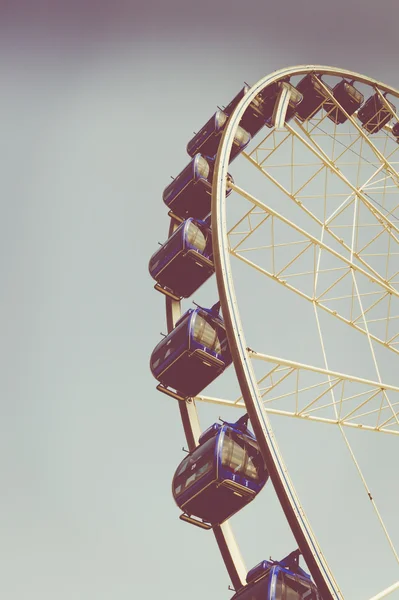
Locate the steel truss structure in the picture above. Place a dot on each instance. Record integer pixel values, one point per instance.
(336, 246)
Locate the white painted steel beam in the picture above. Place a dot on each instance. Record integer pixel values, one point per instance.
(386, 592)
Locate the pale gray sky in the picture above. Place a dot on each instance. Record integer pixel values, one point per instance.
(97, 104)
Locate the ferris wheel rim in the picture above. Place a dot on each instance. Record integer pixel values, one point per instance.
(187, 406)
(293, 510)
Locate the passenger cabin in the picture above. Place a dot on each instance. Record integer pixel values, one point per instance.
(284, 580)
(374, 114)
(348, 97)
(207, 140)
(260, 111)
(190, 193)
(314, 96)
(193, 354)
(219, 477)
(185, 261)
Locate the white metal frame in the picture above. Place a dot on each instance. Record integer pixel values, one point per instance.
(371, 398)
(357, 265)
(316, 394)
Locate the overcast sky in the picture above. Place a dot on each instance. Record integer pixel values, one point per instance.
(98, 101)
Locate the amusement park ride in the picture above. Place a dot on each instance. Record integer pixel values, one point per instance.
(228, 465)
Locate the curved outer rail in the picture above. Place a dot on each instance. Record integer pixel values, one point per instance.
(188, 412)
(260, 422)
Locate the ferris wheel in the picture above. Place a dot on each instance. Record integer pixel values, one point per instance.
(311, 204)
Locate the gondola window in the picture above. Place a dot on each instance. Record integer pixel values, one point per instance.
(206, 335)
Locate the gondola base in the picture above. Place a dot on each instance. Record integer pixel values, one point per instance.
(202, 524)
(175, 217)
(168, 392)
(166, 292)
